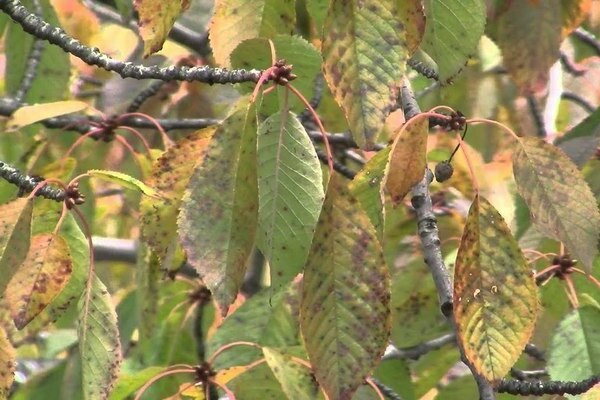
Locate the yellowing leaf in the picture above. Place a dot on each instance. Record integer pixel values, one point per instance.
(8, 363)
(574, 12)
(413, 17)
(344, 311)
(364, 56)
(560, 201)
(124, 180)
(15, 236)
(156, 18)
(406, 165)
(170, 176)
(99, 344)
(28, 115)
(77, 20)
(495, 300)
(295, 379)
(227, 374)
(40, 278)
(234, 21)
(217, 220)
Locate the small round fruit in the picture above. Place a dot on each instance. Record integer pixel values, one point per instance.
(443, 171)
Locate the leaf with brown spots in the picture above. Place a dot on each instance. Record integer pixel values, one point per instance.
(170, 175)
(234, 21)
(218, 217)
(452, 31)
(15, 236)
(495, 295)
(290, 195)
(407, 160)
(295, 379)
(365, 55)
(560, 201)
(156, 18)
(8, 362)
(345, 307)
(40, 278)
(412, 16)
(99, 344)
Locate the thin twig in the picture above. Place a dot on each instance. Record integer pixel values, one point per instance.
(419, 350)
(33, 61)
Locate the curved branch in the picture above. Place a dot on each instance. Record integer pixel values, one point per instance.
(27, 183)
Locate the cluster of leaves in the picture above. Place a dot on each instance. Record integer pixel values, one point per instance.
(344, 275)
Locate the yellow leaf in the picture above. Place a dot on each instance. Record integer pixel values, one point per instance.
(28, 115)
(156, 18)
(8, 362)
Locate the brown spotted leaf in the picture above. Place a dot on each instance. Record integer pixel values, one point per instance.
(406, 164)
(218, 216)
(8, 362)
(412, 16)
(364, 54)
(15, 236)
(560, 201)
(234, 21)
(495, 295)
(295, 379)
(170, 175)
(40, 278)
(344, 311)
(156, 18)
(99, 344)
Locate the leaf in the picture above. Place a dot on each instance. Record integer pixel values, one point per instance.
(234, 21)
(495, 300)
(295, 379)
(413, 18)
(99, 344)
(577, 337)
(124, 180)
(452, 31)
(573, 13)
(529, 39)
(561, 203)
(367, 187)
(127, 384)
(364, 54)
(40, 278)
(217, 221)
(8, 364)
(28, 115)
(156, 18)
(170, 176)
(344, 312)
(580, 143)
(407, 161)
(15, 236)
(290, 195)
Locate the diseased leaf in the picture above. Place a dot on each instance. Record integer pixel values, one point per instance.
(452, 31)
(218, 216)
(580, 143)
(529, 39)
(39, 279)
(561, 203)
(28, 115)
(170, 176)
(8, 363)
(290, 195)
(577, 337)
(344, 313)
(234, 21)
(99, 344)
(407, 161)
(367, 187)
(15, 236)
(364, 54)
(495, 295)
(156, 18)
(412, 16)
(295, 379)
(124, 180)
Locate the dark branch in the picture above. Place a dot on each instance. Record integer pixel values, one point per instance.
(33, 61)
(415, 352)
(533, 351)
(27, 183)
(587, 38)
(339, 167)
(523, 375)
(580, 101)
(386, 391)
(538, 120)
(423, 69)
(144, 95)
(42, 30)
(539, 388)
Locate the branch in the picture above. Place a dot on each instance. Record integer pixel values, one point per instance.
(539, 388)
(144, 95)
(42, 30)
(27, 183)
(33, 61)
(419, 350)
(587, 38)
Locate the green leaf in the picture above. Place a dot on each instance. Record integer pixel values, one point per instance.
(28, 115)
(257, 384)
(364, 54)
(495, 295)
(561, 203)
(367, 187)
(39, 279)
(156, 18)
(295, 379)
(290, 195)
(8, 364)
(344, 313)
(218, 216)
(99, 344)
(15, 236)
(127, 384)
(124, 180)
(170, 175)
(317, 9)
(580, 143)
(396, 374)
(237, 20)
(452, 31)
(577, 337)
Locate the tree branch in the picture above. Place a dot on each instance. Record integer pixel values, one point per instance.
(27, 183)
